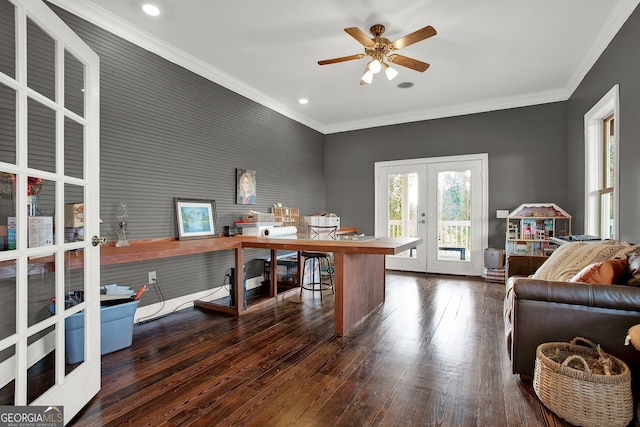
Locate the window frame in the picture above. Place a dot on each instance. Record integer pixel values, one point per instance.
(595, 151)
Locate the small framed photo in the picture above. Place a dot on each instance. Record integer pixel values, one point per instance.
(196, 219)
(246, 187)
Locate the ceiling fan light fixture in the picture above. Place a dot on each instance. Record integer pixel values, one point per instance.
(367, 77)
(379, 50)
(390, 72)
(375, 66)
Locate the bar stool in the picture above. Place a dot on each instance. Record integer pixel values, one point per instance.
(317, 260)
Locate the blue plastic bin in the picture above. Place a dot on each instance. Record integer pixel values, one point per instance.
(116, 330)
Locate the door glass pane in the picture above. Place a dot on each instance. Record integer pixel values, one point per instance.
(73, 148)
(7, 124)
(73, 84)
(41, 375)
(403, 205)
(41, 59)
(7, 35)
(41, 210)
(454, 215)
(8, 300)
(41, 289)
(7, 396)
(7, 212)
(41, 137)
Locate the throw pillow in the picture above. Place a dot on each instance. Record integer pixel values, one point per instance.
(634, 268)
(607, 272)
(568, 259)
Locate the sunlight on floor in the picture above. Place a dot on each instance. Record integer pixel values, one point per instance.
(454, 320)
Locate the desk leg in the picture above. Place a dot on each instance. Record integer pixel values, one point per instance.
(239, 290)
(241, 304)
(273, 274)
(359, 285)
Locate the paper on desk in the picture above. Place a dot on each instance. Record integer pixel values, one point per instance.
(279, 231)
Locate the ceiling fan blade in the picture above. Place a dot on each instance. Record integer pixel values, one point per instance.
(341, 59)
(360, 35)
(405, 61)
(414, 37)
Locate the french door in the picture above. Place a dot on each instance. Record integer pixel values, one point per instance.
(49, 202)
(440, 200)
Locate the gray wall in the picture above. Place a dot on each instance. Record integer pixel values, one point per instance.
(167, 132)
(527, 159)
(619, 64)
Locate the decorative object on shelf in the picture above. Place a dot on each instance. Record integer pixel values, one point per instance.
(246, 187)
(196, 218)
(34, 186)
(123, 216)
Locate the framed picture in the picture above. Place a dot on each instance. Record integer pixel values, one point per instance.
(196, 219)
(246, 187)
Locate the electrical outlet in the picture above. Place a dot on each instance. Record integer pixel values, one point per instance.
(152, 277)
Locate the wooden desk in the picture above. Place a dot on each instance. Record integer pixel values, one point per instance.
(359, 277)
(359, 267)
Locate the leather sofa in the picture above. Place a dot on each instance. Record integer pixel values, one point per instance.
(538, 311)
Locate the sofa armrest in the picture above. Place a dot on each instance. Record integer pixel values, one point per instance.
(522, 265)
(590, 295)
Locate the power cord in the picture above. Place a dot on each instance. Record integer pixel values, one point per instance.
(161, 295)
(226, 280)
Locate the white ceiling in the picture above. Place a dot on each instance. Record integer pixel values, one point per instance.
(487, 55)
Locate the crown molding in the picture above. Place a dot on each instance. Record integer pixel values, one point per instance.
(506, 103)
(614, 23)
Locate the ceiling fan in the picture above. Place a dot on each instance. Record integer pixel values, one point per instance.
(380, 48)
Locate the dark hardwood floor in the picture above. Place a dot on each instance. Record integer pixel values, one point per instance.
(433, 354)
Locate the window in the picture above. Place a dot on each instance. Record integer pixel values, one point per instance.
(602, 142)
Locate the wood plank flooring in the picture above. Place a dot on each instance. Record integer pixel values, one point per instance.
(432, 355)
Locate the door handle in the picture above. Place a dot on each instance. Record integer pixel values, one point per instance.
(95, 240)
(424, 221)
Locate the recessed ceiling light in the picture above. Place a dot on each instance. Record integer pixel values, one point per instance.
(303, 101)
(405, 85)
(151, 9)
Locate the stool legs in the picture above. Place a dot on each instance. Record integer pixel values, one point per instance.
(312, 284)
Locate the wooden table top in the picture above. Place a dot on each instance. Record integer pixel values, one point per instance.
(164, 248)
(347, 244)
(142, 250)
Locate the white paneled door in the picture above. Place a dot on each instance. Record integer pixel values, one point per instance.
(49, 160)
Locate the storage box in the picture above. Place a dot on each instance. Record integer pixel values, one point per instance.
(258, 217)
(323, 220)
(288, 216)
(496, 275)
(116, 330)
(493, 258)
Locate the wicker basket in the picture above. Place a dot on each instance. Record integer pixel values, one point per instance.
(579, 393)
